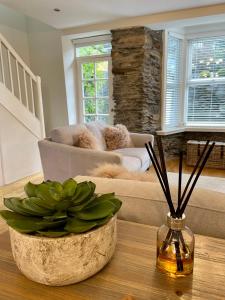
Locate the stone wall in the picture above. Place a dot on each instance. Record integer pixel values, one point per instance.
(136, 68)
(175, 142)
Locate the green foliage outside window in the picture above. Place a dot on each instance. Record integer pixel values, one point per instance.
(93, 50)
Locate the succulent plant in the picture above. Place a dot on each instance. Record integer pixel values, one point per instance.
(53, 209)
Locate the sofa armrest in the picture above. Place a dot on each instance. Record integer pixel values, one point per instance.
(139, 139)
(60, 161)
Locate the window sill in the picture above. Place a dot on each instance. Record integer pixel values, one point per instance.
(171, 131)
(190, 129)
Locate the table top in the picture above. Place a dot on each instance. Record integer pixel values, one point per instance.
(131, 274)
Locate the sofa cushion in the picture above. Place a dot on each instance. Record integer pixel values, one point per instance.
(144, 202)
(117, 137)
(138, 153)
(86, 139)
(97, 129)
(67, 135)
(131, 163)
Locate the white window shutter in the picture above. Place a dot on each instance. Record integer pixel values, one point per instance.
(174, 75)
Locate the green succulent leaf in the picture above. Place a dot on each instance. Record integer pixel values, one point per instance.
(50, 205)
(102, 198)
(56, 216)
(15, 204)
(28, 224)
(84, 191)
(42, 191)
(30, 204)
(21, 223)
(56, 191)
(69, 187)
(78, 226)
(117, 203)
(83, 205)
(63, 205)
(99, 211)
(30, 189)
(49, 224)
(103, 221)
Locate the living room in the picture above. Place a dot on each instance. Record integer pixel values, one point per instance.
(85, 88)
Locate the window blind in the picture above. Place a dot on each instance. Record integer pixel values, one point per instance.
(206, 84)
(173, 82)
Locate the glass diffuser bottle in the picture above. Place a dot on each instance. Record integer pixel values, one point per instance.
(175, 248)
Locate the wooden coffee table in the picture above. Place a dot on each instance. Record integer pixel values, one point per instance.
(131, 272)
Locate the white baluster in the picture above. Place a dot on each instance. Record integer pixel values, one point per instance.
(25, 85)
(10, 71)
(2, 64)
(32, 96)
(40, 106)
(18, 79)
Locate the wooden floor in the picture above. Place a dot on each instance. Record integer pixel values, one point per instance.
(172, 166)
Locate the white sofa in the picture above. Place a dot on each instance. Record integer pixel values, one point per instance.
(61, 158)
(144, 202)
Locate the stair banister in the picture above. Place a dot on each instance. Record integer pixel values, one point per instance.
(27, 80)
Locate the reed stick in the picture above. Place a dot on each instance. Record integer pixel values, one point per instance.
(180, 179)
(196, 179)
(158, 172)
(155, 158)
(191, 177)
(164, 172)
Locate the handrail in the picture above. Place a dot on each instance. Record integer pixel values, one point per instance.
(24, 82)
(17, 57)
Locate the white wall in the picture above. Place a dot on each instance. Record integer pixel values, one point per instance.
(47, 62)
(19, 151)
(70, 79)
(13, 26)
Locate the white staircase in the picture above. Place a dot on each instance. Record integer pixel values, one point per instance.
(21, 116)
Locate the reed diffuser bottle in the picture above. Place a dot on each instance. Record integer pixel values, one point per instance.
(175, 241)
(175, 248)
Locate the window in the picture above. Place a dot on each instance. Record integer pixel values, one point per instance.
(196, 97)
(92, 50)
(94, 81)
(206, 84)
(173, 88)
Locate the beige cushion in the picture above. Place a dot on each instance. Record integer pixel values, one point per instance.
(138, 153)
(117, 137)
(145, 203)
(87, 140)
(67, 135)
(97, 129)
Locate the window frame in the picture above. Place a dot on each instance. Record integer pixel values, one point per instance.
(92, 58)
(184, 126)
(194, 82)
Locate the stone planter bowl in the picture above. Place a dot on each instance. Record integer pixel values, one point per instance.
(65, 260)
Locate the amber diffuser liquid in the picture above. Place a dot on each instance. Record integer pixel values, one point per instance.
(167, 262)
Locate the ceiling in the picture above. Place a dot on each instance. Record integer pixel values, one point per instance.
(86, 12)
